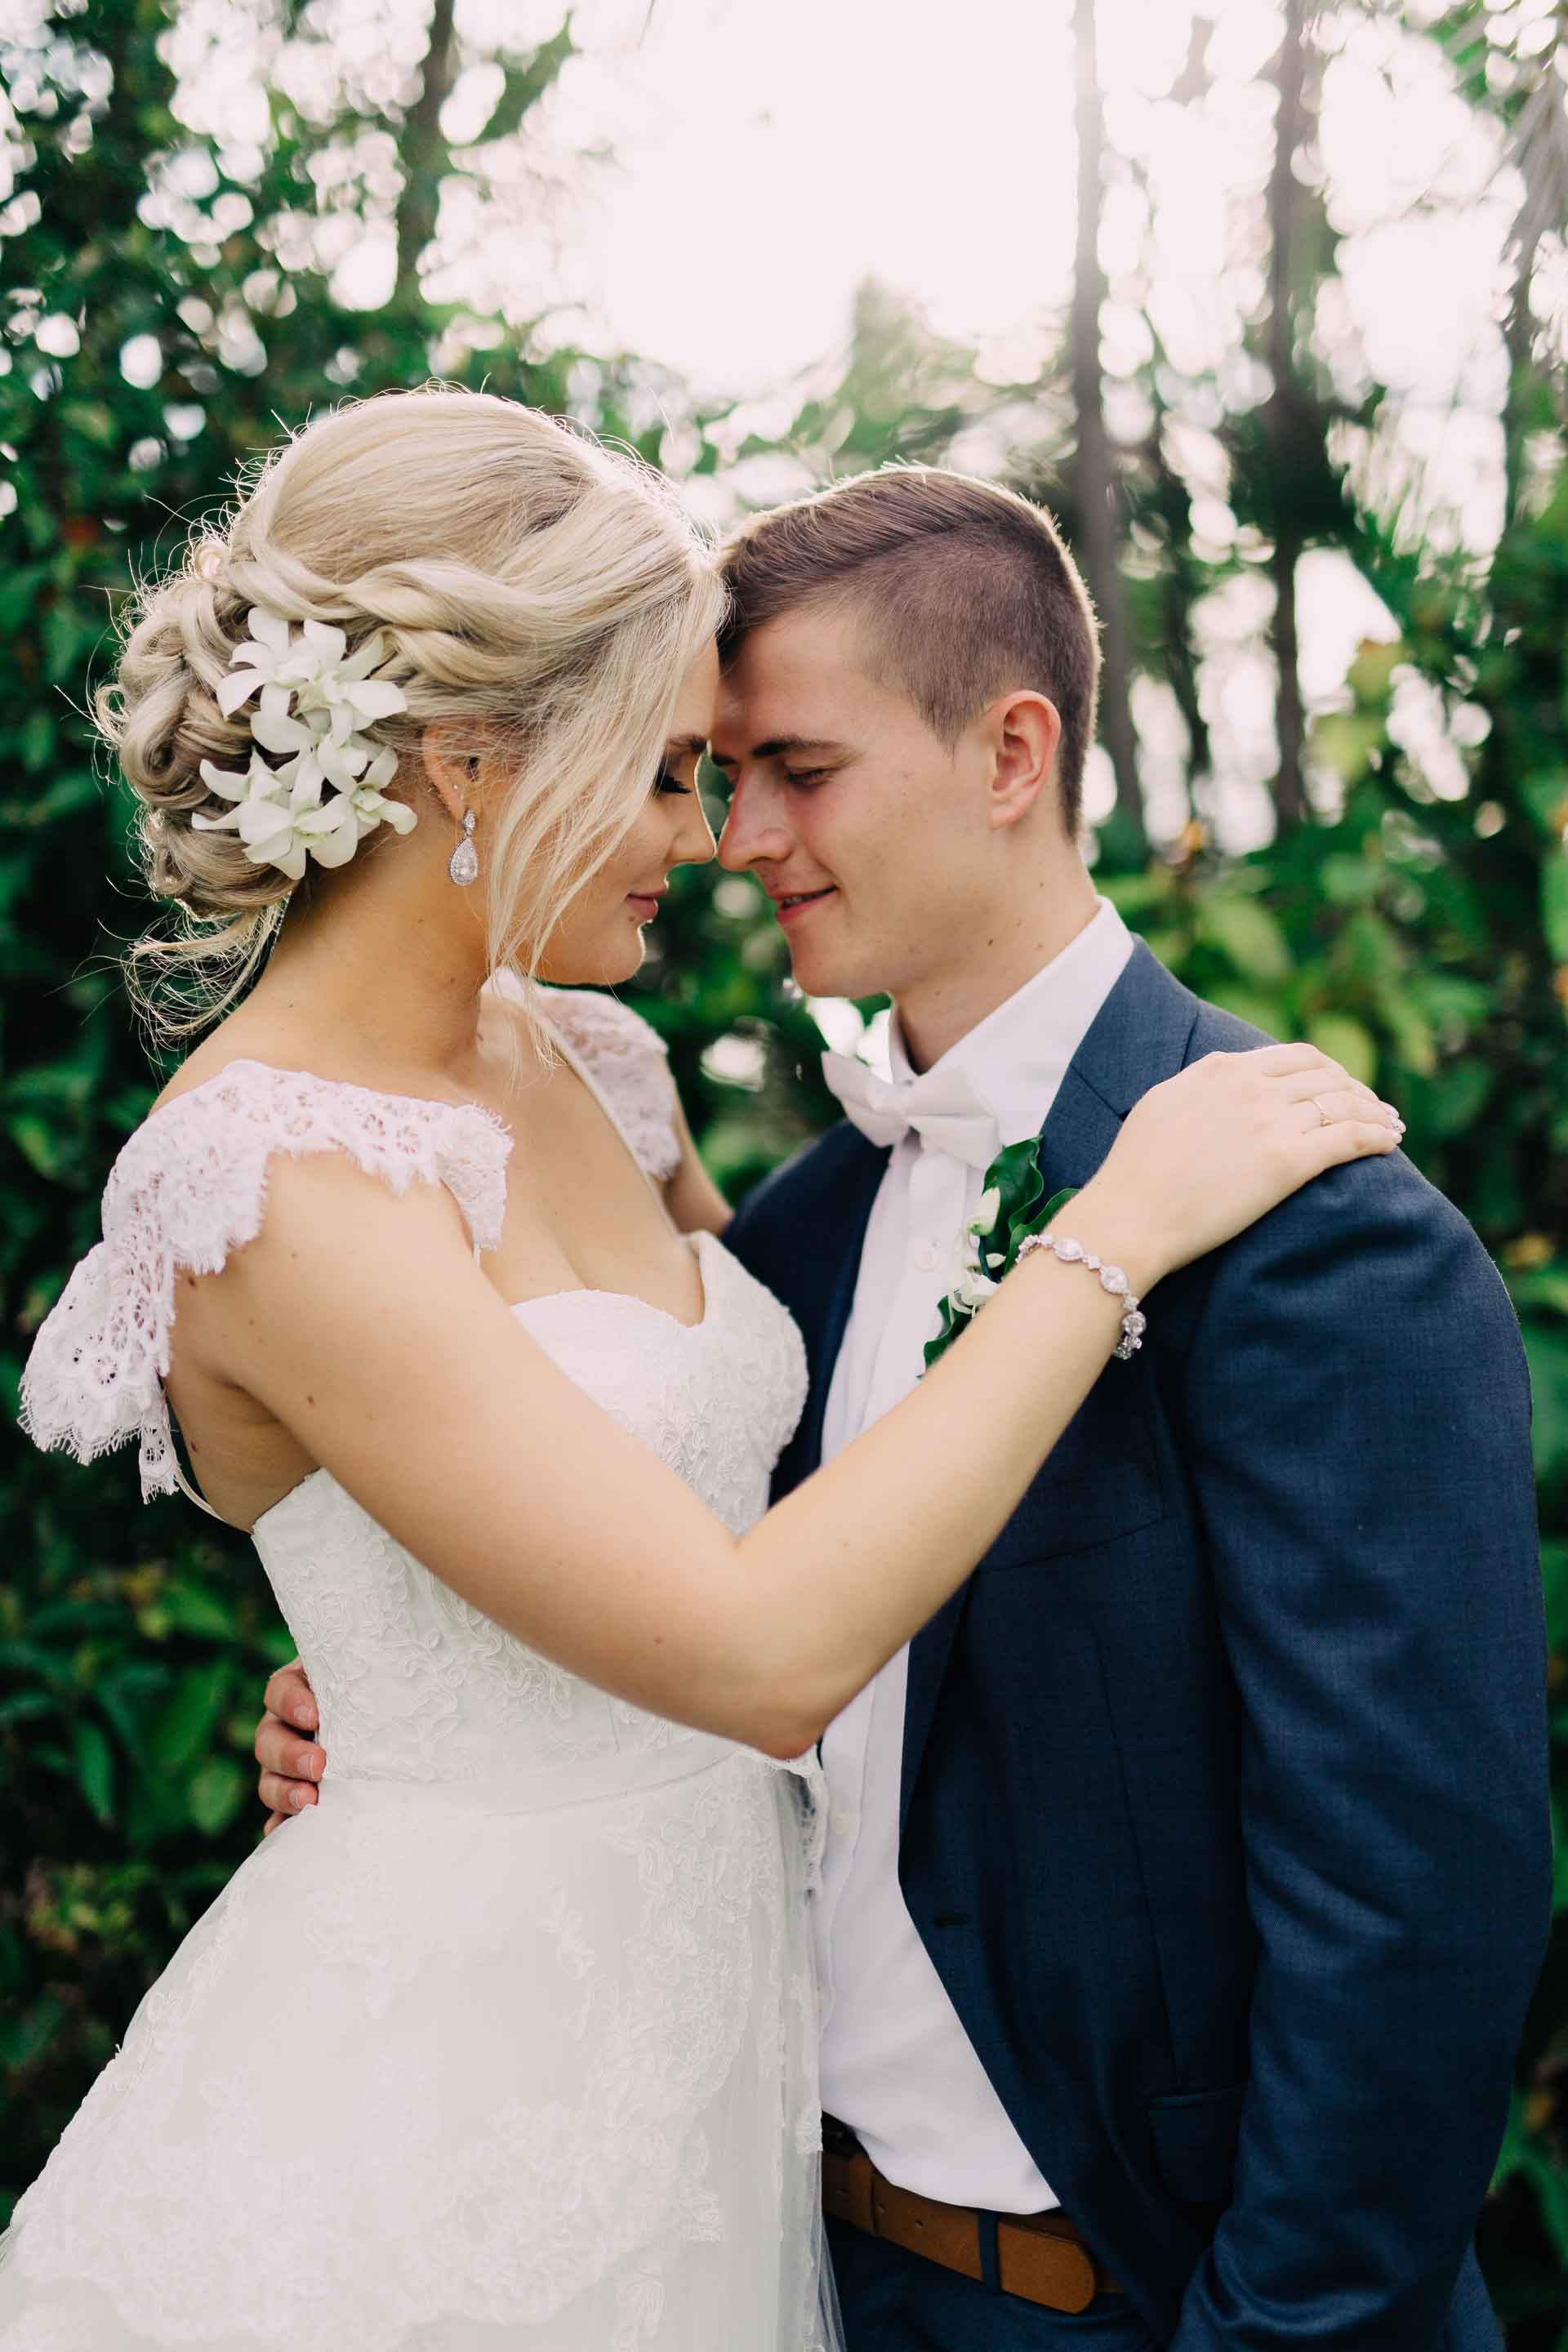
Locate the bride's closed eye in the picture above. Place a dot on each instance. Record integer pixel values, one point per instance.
(667, 780)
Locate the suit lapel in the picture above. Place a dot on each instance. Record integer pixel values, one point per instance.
(824, 1331)
(1139, 1037)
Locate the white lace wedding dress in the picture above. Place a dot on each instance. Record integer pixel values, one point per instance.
(511, 2039)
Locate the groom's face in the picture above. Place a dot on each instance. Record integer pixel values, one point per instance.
(865, 829)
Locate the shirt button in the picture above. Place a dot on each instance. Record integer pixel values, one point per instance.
(842, 1824)
(927, 1256)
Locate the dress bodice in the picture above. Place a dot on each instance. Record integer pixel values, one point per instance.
(413, 1682)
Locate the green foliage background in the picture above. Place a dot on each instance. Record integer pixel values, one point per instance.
(1423, 940)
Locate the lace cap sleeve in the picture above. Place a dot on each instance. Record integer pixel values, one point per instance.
(627, 1062)
(629, 1066)
(189, 1186)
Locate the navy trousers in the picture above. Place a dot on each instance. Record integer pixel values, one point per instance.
(895, 2302)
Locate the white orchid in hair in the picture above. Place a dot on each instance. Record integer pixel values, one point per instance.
(371, 804)
(313, 696)
(315, 669)
(279, 821)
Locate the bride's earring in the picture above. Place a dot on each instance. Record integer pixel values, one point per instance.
(463, 865)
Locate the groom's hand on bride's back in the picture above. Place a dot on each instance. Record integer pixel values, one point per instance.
(291, 1767)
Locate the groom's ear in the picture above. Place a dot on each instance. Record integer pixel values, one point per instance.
(1022, 734)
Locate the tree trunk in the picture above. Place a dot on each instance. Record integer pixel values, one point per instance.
(1289, 793)
(1518, 334)
(422, 152)
(1541, 154)
(1097, 507)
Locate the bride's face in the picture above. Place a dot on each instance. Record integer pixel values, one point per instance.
(599, 941)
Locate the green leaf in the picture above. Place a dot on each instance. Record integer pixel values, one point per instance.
(1545, 1286)
(1515, 2154)
(77, 789)
(1249, 935)
(25, 1705)
(37, 741)
(1547, 1349)
(952, 1324)
(1555, 905)
(43, 1147)
(1346, 1040)
(185, 1726)
(1458, 1096)
(94, 1768)
(94, 420)
(1015, 1174)
(1409, 1029)
(1554, 1584)
(1259, 1012)
(1546, 794)
(1559, 1858)
(67, 636)
(1351, 881)
(192, 1609)
(1043, 1216)
(217, 1793)
(1135, 894)
(17, 590)
(26, 2035)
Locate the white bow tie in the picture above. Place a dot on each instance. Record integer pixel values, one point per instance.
(940, 1106)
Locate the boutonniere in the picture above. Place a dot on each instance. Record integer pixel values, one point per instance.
(1011, 1208)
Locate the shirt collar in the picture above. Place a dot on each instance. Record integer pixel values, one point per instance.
(1018, 1055)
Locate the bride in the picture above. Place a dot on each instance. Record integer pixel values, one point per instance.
(418, 1256)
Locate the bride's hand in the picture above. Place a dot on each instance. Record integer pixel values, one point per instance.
(1207, 1153)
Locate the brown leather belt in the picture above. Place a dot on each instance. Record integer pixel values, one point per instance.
(1039, 2256)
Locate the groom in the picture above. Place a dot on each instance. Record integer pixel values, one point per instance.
(1187, 1876)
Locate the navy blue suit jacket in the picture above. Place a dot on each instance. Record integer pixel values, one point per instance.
(1224, 1800)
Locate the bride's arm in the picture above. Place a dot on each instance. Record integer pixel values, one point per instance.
(398, 1367)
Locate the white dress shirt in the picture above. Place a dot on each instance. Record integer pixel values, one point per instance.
(897, 2064)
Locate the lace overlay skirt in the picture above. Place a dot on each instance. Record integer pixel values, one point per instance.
(449, 2069)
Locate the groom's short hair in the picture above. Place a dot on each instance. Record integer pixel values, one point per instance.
(964, 591)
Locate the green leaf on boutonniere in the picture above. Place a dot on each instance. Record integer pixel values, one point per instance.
(1016, 1175)
(952, 1324)
(1009, 1211)
(1039, 1221)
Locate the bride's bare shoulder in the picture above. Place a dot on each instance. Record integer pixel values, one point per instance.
(238, 1039)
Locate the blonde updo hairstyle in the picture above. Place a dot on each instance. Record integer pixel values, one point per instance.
(543, 594)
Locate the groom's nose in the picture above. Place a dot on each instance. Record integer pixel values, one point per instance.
(755, 830)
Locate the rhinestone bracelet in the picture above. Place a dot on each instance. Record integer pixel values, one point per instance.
(1133, 1322)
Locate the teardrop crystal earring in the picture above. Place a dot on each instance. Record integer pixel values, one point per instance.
(463, 865)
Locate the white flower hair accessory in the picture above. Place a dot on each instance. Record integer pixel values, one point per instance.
(315, 697)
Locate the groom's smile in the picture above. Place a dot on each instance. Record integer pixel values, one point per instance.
(788, 905)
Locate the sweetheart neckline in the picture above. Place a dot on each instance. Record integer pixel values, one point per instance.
(520, 1306)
